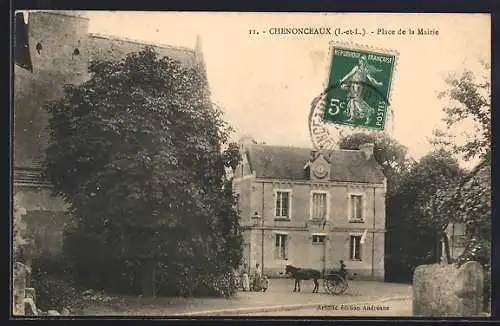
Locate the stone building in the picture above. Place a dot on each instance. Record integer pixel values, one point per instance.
(53, 48)
(311, 209)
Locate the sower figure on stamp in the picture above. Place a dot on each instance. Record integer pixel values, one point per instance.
(353, 82)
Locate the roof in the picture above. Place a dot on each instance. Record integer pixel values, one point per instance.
(104, 47)
(282, 162)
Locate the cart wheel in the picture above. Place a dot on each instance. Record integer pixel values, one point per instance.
(334, 284)
(327, 286)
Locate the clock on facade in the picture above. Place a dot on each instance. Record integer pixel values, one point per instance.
(320, 171)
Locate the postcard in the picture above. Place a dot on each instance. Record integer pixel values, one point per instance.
(251, 164)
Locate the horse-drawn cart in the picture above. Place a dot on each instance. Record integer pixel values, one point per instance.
(334, 281)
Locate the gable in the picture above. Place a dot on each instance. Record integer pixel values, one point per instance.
(319, 168)
(243, 168)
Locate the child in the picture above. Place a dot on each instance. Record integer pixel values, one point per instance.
(265, 283)
(245, 280)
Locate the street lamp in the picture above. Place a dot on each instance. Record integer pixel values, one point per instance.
(256, 217)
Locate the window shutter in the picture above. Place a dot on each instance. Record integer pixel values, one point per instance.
(351, 240)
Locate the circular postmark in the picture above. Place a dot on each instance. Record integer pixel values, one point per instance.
(346, 107)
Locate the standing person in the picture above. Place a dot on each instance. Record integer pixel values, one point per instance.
(245, 279)
(343, 270)
(256, 279)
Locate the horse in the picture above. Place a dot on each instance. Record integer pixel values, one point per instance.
(303, 274)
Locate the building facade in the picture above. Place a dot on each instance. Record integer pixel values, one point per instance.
(54, 48)
(311, 209)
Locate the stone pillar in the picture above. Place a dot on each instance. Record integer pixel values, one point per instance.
(469, 289)
(441, 290)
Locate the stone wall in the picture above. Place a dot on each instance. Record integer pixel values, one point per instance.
(18, 289)
(442, 290)
(45, 217)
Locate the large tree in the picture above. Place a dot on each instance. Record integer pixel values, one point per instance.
(468, 199)
(433, 172)
(412, 239)
(138, 154)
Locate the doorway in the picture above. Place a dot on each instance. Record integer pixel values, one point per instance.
(317, 252)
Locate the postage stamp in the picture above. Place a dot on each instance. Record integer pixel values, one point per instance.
(359, 86)
(356, 93)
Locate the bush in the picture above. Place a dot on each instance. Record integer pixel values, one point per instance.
(53, 294)
(52, 281)
(225, 285)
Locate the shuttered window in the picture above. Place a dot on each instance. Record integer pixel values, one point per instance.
(319, 206)
(355, 247)
(356, 204)
(282, 204)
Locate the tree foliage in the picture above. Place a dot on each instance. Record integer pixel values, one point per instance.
(416, 239)
(469, 103)
(137, 153)
(468, 199)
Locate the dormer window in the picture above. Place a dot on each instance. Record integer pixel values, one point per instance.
(318, 166)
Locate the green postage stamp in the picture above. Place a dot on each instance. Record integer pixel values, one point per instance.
(358, 86)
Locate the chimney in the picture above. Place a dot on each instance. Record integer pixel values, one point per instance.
(367, 150)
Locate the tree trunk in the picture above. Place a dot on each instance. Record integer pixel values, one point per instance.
(444, 236)
(437, 247)
(149, 278)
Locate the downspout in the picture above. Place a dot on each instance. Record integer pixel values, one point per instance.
(324, 255)
(373, 236)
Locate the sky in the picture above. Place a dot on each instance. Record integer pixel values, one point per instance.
(265, 83)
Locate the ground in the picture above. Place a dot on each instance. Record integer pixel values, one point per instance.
(278, 300)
